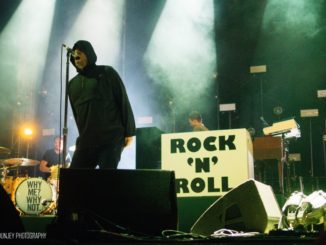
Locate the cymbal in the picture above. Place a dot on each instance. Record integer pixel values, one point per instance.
(8, 167)
(4, 150)
(20, 162)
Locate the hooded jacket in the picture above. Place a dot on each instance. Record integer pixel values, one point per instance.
(99, 103)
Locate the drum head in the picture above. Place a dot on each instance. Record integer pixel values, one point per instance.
(33, 196)
(15, 183)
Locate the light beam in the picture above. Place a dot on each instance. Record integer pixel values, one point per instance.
(181, 55)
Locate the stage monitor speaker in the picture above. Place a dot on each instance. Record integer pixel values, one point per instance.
(251, 206)
(9, 217)
(141, 201)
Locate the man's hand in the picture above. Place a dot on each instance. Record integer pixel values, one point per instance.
(128, 141)
(44, 167)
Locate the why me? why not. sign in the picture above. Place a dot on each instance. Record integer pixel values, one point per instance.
(208, 163)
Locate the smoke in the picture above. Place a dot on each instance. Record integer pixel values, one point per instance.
(181, 55)
(299, 15)
(100, 22)
(23, 48)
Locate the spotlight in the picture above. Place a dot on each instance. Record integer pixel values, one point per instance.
(312, 209)
(290, 208)
(28, 131)
(303, 211)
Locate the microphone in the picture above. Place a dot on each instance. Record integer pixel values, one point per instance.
(69, 50)
(264, 121)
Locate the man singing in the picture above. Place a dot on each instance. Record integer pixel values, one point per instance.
(101, 109)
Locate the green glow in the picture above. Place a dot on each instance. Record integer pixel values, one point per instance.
(300, 15)
(181, 55)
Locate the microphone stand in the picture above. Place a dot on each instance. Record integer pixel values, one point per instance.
(65, 127)
(62, 163)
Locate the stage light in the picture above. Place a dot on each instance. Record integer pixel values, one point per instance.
(290, 208)
(301, 210)
(181, 55)
(312, 209)
(28, 131)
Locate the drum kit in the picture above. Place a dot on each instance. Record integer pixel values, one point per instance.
(31, 196)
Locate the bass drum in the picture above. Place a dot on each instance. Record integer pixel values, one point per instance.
(34, 196)
(15, 183)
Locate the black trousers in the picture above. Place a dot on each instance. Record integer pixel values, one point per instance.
(106, 156)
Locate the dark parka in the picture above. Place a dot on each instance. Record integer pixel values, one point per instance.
(99, 103)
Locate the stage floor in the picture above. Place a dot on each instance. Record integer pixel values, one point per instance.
(43, 224)
(189, 210)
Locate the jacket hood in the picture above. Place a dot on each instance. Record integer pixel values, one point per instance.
(87, 48)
